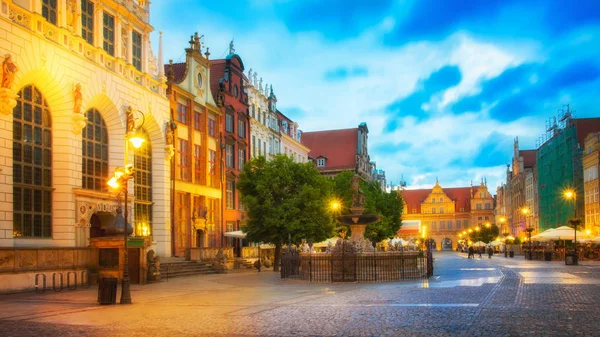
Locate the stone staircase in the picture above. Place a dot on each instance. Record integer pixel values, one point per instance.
(245, 263)
(184, 268)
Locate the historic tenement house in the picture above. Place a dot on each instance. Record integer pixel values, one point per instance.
(227, 85)
(196, 178)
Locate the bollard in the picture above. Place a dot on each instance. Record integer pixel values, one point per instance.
(54, 282)
(69, 280)
(37, 283)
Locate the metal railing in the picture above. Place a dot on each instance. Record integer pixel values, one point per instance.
(364, 267)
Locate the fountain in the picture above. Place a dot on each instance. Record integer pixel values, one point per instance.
(354, 260)
(356, 219)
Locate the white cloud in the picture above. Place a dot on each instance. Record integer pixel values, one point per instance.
(296, 62)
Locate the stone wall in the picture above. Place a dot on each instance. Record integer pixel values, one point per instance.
(19, 266)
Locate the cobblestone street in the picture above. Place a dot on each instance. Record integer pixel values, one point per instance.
(481, 297)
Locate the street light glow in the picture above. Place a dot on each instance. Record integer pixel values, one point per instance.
(569, 194)
(137, 141)
(113, 183)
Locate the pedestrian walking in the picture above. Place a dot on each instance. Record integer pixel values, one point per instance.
(490, 252)
(471, 252)
(479, 250)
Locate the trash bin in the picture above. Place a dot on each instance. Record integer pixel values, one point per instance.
(107, 290)
(571, 259)
(511, 253)
(547, 256)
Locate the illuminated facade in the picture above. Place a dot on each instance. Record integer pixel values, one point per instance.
(444, 213)
(591, 185)
(263, 141)
(196, 177)
(79, 66)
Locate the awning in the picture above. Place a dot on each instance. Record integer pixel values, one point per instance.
(235, 234)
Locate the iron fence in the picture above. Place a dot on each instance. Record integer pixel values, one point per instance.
(362, 267)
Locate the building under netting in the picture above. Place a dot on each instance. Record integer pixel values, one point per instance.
(559, 164)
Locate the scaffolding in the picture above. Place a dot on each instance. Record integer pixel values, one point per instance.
(559, 168)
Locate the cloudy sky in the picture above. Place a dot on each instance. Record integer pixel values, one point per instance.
(444, 86)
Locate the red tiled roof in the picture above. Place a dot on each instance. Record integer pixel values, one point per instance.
(460, 195)
(178, 70)
(217, 71)
(529, 157)
(338, 146)
(585, 126)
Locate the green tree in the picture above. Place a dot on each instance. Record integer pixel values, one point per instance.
(485, 234)
(284, 199)
(388, 205)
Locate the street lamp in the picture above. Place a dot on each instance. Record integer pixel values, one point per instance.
(528, 229)
(572, 195)
(120, 182)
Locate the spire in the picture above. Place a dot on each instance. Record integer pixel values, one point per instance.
(207, 53)
(271, 94)
(161, 62)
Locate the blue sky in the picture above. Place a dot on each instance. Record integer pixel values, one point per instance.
(444, 86)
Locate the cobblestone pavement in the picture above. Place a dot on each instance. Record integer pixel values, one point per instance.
(480, 297)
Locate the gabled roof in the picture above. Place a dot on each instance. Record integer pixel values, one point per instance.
(460, 195)
(529, 157)
(338, 146)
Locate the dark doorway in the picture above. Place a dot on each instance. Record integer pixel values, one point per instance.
(446, 244)
(432, 244)
(98, 223)
(134, 264)
(200, 238)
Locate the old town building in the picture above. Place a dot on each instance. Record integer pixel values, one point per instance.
(591, 183)
(522, 212)
(335, 151)
(441, 214)
(263, 140)
(196, 160)
(560, 168)
(227, 84)
(291, 137)
(79, 68)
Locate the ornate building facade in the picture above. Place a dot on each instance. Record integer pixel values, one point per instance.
(227, 84)
(65, 126)
(262, 142)
(291, 139)
(196, 179)
(441, 214)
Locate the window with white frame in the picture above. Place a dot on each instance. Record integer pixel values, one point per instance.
(320, 162)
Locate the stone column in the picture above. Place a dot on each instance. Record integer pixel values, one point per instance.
(98, 24)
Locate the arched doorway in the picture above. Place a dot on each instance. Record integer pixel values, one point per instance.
(98, 223)
(446, 244)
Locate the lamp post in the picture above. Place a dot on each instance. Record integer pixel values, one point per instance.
(119, 182)
(528, 229)
(572, 195)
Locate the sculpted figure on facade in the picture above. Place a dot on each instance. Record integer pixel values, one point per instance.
(72, 15)
(77, 97)
(130, 119)
(169, 136)
(9, 69)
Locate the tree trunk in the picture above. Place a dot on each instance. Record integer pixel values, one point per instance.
(277, 257)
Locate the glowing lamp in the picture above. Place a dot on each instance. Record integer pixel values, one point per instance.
(113, 183)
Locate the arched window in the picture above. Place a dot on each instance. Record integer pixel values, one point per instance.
(94, 153)
(32, 165)
(142, 162)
